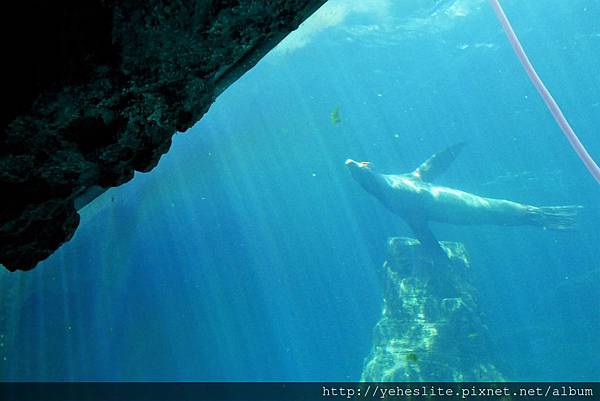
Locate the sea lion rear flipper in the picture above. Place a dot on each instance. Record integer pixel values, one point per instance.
(438, 163)
(425, 236)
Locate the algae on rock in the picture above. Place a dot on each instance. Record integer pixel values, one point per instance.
(431, 328)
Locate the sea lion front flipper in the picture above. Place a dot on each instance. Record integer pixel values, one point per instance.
(425, 236)
(438, 163)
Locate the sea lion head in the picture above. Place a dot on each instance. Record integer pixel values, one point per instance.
(363, 173)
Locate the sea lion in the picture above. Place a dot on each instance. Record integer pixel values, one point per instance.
(413, 197)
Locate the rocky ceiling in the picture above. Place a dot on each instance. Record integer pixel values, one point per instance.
(95, 89)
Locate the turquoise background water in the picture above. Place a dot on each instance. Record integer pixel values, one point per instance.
(250, 254)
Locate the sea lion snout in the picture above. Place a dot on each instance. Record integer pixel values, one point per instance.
(352, 163)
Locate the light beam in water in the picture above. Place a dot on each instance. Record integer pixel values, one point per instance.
(545, 94)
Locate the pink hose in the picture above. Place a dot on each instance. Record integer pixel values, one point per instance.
(548, 99)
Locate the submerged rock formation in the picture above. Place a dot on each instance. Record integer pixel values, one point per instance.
(430, 328)
(97, 88)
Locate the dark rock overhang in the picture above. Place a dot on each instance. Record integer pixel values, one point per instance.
(95, 90)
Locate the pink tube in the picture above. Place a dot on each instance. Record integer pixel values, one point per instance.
(545, 94)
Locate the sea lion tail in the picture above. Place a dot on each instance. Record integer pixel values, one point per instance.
(556, 217)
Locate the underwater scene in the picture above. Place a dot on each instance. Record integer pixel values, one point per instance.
(292, 233)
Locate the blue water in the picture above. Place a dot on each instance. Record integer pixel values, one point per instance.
(249, 253)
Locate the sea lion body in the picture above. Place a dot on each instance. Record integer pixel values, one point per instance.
(407, 196)
(413, 197)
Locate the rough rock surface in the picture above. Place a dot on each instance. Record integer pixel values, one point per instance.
(431, 328)
(97, 88)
